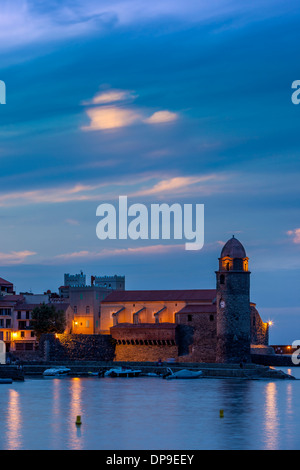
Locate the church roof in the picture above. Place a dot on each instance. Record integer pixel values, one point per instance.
(234, 249)
(204, 295)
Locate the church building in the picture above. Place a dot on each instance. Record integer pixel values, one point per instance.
(199, 325)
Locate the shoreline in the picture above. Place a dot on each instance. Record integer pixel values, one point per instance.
(82, 369)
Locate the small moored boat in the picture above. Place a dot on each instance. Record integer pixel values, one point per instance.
(56, 372)
(183, 374)
(120, 372)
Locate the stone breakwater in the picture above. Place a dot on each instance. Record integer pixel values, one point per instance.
(81, 369)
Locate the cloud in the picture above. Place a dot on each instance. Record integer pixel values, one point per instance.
(72, 221)
(110, 189)
(15, 257)
(143, 250)
(78, 192)
(24, 22)
(110, 96)
(295, 234)
(109, 116)
(182, 184)
(161, 116)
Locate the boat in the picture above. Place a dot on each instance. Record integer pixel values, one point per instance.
(182, 374)
(121, 372)
(56, 372)
(6, 381)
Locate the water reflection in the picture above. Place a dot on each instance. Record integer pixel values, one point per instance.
(14, 422)
(75, 432)
(149, 413)
(271, 416)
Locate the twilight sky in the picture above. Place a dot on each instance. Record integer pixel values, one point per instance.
(162, 101)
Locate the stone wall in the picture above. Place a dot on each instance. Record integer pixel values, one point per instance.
(77, 347)
(259, 329)
(197, 338)
(148, 353)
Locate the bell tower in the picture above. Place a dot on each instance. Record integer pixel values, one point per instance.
(233, 304)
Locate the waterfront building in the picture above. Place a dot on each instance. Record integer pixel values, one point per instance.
(85, 300)
(16, 327)
(220, 324)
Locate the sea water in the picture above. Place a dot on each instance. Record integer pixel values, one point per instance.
(149, 413)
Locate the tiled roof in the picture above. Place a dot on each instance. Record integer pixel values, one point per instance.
(161, 295)
(194, 308)
(3, 282)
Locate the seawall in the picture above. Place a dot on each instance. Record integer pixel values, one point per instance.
(79, 368)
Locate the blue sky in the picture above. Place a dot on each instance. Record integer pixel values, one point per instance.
(186, 102)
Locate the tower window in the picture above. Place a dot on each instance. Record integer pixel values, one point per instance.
(211, 318)
(189, 317)
(227, 266)
(222, 279)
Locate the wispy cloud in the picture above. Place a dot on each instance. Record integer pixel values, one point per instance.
(24, 22)
(110, 96)
(15, 257)
(143, 250)
(79, 192)
(141, 184)
(205, 184)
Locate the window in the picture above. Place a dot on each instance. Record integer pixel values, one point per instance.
(5, 311)
(222, 279)
(189, 317)
(8, 323)
(22, 334)
(75, 308)
(27, 315)
(87, 324)
(87, 309)
(32, 334)
(19, 315)
(211, 318)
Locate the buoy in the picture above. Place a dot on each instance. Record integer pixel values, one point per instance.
(78, 420)
(221, 413)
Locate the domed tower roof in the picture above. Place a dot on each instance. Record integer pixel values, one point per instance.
(234, 249)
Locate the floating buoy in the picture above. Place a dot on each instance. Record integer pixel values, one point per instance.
(78, 420)
(221, 413)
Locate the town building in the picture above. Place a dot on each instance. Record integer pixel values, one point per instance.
(85, 300)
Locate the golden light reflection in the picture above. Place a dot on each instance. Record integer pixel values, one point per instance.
(14, 422)
(271, 416)
(76, 410)
(56, 411)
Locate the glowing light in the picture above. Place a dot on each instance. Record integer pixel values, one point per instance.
(270, 323)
